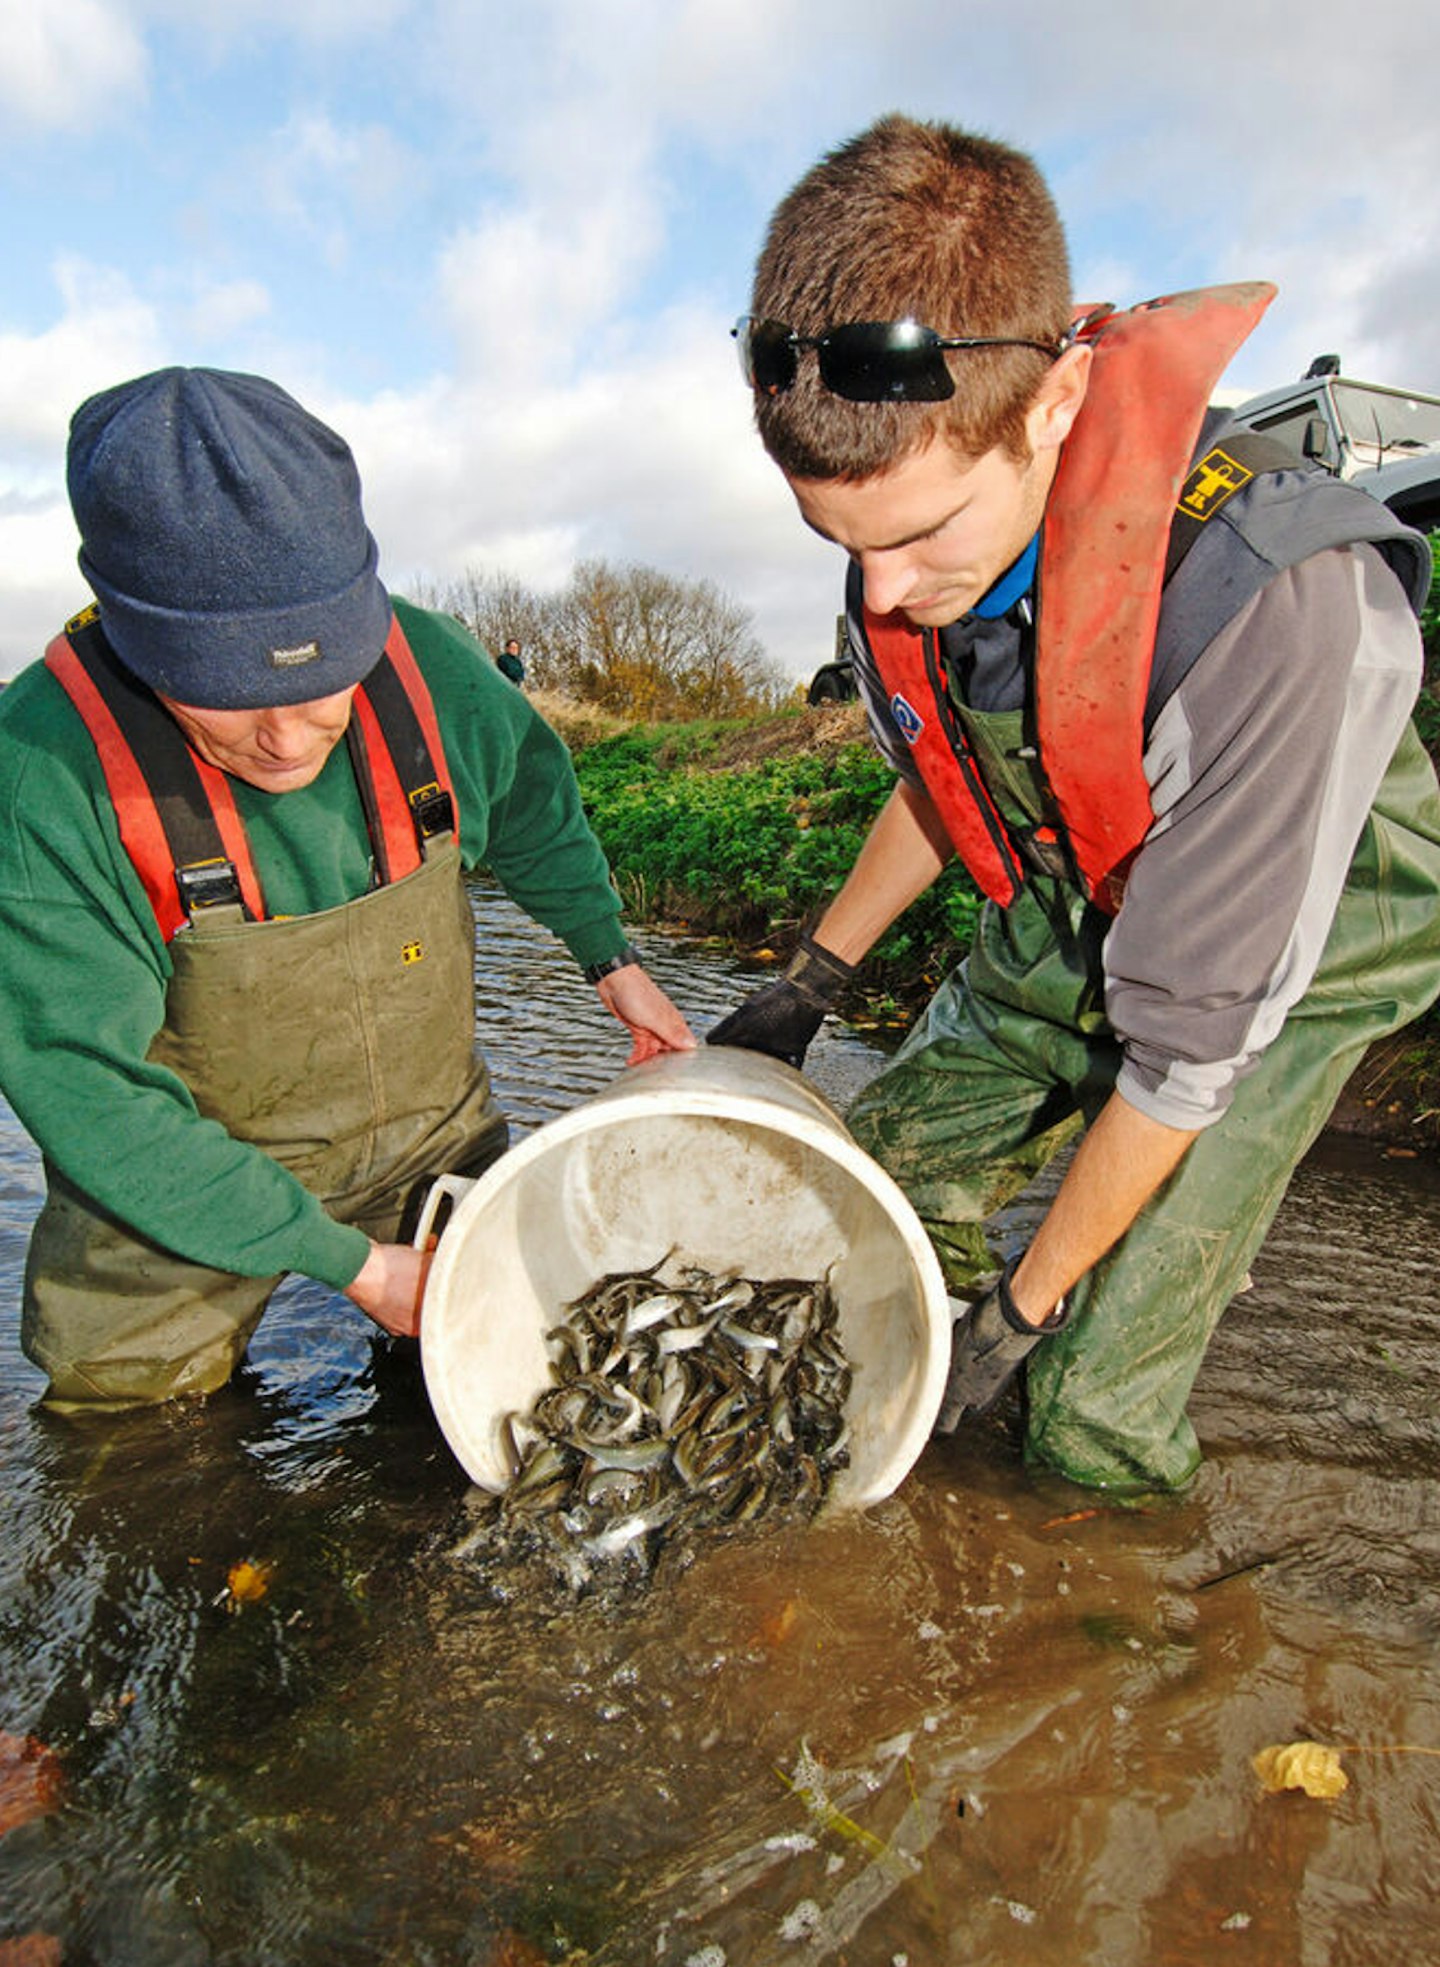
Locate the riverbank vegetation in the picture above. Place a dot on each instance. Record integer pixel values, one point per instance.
(742, 830)
(729, 809)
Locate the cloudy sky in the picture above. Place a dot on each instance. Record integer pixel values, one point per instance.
(500, 246)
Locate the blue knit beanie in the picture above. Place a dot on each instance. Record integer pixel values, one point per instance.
(222, 532)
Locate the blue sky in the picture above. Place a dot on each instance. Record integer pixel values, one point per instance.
(500, 247)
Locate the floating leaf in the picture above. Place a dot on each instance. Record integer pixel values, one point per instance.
(246, 1584)
(35, 1950)
(777, 1627)
(1301, 1765)
(29, 1780)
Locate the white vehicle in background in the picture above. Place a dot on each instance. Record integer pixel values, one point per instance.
(1387, 441)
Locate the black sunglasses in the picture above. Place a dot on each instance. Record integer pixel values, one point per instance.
(863, 361)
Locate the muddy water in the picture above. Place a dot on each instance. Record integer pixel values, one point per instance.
(997, 1720)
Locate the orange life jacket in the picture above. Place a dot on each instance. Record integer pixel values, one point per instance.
(1102, 566)
(177, 814)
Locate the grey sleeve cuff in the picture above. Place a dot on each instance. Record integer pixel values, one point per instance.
(1191, 1098)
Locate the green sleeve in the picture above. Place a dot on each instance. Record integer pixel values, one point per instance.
(84, 973)
(520, 809)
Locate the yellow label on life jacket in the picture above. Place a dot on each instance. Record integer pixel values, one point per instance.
(1216, 478)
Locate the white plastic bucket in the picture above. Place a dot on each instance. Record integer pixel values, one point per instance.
(736, 1163)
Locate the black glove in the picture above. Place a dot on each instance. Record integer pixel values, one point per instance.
(988, 1345)
(782, 1018)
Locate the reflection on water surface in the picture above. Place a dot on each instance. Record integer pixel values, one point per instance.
(997, 1719)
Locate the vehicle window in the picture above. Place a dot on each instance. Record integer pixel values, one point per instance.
(1386, 420)
(1287, 426)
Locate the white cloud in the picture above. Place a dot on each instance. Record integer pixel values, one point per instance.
(649, 457)
(105, 331)
(580, 185)
(218, 313)
(43, 585)
(525, 293)
(225, 22)
(320, 178)
(64, 56)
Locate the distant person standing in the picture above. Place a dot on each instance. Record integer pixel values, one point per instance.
(509, 662)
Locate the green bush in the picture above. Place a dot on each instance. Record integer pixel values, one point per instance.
(751, 851)
(1427, 710)
(1430, 613)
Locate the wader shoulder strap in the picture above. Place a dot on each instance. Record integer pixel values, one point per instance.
(176, 814)
(399, 761)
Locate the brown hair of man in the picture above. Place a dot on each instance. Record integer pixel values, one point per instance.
(924, 221)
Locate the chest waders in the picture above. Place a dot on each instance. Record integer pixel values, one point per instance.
(1013, 1055)
(342, 1045)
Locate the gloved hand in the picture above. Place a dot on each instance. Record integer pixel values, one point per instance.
(784, 1016)
(989, 1343)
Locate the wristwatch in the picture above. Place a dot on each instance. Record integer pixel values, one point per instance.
(595, 971)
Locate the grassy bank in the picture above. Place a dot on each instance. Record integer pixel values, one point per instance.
(741, 831)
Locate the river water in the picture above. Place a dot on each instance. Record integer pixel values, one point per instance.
(996, 1719)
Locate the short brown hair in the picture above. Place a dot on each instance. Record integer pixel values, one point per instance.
(926, 221)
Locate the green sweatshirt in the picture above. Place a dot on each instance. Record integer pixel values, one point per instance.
(84, 971)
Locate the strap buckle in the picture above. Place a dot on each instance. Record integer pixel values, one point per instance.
(208, 884)
(433, 811)
(1045, 853)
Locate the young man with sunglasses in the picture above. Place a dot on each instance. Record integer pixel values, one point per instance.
(1153, 684)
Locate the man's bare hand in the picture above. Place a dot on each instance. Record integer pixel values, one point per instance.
(390, 1285)
(633, 996)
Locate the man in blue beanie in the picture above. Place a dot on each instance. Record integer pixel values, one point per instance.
(238, 1013)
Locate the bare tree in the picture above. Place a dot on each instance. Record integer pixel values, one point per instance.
(495, 607)
(636, 641)
(649, 645)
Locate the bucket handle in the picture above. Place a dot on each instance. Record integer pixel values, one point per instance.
(456, 1187)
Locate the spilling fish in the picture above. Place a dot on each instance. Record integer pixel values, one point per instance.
(709, 1400)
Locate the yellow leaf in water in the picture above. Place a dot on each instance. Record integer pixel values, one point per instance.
(1301, 1765)
(247, 1582)
(30, 1782)
(778, 1626)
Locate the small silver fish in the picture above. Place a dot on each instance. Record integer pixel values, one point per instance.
(678, 1400)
